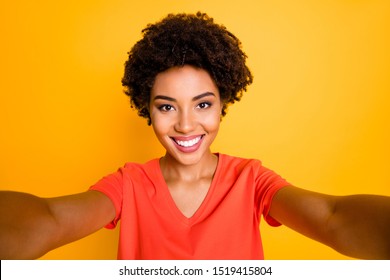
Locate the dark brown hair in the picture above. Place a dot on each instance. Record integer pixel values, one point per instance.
(186, 39)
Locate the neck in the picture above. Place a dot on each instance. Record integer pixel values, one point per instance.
(174, 170)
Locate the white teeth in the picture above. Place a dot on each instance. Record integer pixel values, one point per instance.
(188, 143)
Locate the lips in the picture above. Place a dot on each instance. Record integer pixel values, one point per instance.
(188, 144)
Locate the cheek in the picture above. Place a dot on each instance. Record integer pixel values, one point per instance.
(160, 125)
(212, 122)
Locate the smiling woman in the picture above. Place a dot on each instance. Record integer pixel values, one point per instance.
(168, 44)
(186, 121)
(186, 118)
(191, 203)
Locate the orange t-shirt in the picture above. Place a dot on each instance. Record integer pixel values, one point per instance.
(226, 225)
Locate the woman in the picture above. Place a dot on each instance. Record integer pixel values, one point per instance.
(191, 203)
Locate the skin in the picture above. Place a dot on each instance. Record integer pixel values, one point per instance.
(355, 225)
(185, 108)
(185, 105)
(44, 224)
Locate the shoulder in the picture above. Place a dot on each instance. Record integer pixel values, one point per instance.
(132, 169)
(252, 169)
(134, 166)
(126, 176)
(239, 167)
(135, 171)
(238, 163)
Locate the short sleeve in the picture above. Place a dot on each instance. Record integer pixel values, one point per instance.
(112, 186)
(268, 183)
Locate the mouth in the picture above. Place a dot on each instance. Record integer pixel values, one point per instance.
(188, 144)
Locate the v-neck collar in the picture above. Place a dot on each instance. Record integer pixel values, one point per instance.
(170, 203)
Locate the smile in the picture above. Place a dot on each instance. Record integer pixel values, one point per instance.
(188, 143)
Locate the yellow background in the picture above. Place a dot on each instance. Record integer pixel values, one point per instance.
(317, 113)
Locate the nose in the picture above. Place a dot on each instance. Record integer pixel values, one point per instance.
(185, 122)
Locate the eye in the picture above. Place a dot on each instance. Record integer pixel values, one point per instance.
(166, 108)
(204, 105)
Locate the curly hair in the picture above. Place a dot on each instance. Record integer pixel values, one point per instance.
(186, 39)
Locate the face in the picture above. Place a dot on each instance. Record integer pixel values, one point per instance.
(185, 109)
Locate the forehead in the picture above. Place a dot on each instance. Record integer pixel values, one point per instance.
(184, 80)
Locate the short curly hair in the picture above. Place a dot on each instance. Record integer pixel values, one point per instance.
(186, 39)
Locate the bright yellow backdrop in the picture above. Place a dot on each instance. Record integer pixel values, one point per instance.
(317, 113)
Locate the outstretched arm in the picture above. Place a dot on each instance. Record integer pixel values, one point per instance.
(357, 225)
(31, 226)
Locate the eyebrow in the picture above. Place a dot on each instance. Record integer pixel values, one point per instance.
(195, 98)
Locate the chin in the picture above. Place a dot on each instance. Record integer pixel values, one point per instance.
(188, 159)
